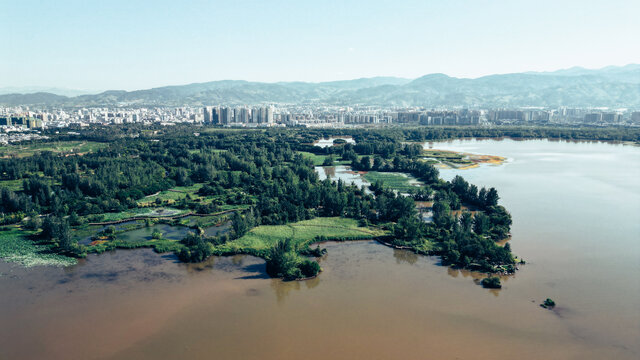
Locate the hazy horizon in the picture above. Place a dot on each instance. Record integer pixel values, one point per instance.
(140, 45)
(76, 92)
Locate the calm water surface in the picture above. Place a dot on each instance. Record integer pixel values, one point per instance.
(328, 142)
(575, 208)
(341, 172)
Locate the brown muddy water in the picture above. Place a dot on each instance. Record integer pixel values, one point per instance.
(575, 209)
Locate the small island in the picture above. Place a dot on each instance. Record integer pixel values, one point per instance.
(492, 282)
(548, 304)
(457, 160)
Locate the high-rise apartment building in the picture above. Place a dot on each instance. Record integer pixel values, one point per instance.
(208, 115)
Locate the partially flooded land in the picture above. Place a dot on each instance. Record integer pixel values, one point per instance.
(448, 159)
(371, 301)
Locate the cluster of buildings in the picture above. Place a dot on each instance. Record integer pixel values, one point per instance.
(443, 117)
(21, 119)
(22, 122)
(238, 116)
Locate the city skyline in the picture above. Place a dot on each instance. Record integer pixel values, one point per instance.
(141, 45)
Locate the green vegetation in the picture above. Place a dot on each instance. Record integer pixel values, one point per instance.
(394, 181)
(301, 234)
(446, 156)
(17, 246)
(13, 185)
(492, 282)
(158, 245)
(548, 304)
(264, 182)
(284, 261)
(173, 195)
(62, 147)
(321, 160)
(135, 213)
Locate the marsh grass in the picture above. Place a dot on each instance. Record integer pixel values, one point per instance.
(394, 181)
(301, 233)
(318, 160)
(19, 246)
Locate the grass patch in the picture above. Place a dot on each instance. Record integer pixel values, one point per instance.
(264, 236)
(16, 185)
(15, 246)
(66, 147)
(318, 160)
(172, 195)
(450, 158)
(395, 181)
(13, 185)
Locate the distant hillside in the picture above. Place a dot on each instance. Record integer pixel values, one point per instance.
(611, 87)
(35, 89)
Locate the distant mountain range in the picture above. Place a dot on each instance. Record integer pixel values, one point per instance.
(613, 86)
(35, 89)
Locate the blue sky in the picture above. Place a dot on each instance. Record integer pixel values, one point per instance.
(135, 44)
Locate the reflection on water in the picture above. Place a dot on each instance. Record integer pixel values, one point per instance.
(342, 172)
(405, 256)
(168, 232)
(282, 289)
(327, 142)
(579, 238)
(218, 230)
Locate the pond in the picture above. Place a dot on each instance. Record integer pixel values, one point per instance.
(168, 232)
(328, 142)
(342, 172)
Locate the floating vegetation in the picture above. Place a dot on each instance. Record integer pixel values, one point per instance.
(492, 282)
(548, 304)
(17, 248)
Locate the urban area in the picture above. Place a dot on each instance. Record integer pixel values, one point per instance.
(23, 122)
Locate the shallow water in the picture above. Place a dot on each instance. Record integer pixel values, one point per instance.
(328, 142)
(575, 209)
(342, 172)
(168, 232)
(218, 230)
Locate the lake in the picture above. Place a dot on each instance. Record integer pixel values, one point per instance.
(575, 209)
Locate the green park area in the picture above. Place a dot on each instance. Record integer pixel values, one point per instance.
(394, 181)
(60, 147)
(321, 160)
(302, 233)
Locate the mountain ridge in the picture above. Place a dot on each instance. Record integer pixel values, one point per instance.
(612, 86)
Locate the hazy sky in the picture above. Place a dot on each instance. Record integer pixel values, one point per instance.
(136, 44)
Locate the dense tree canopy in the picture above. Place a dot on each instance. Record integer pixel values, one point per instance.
(264, 171)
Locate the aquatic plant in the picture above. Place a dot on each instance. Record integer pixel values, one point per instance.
(548, 303)
(16, 247)
(492, 282)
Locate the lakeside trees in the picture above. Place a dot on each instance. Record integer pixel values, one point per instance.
(263, 172)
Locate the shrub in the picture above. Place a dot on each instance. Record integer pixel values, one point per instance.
(196, 253)
(309, 268)
(293, 273)
(33, 223)
(316, 252)
(492, 282)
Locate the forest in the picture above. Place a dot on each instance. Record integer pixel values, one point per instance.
(250, 179)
